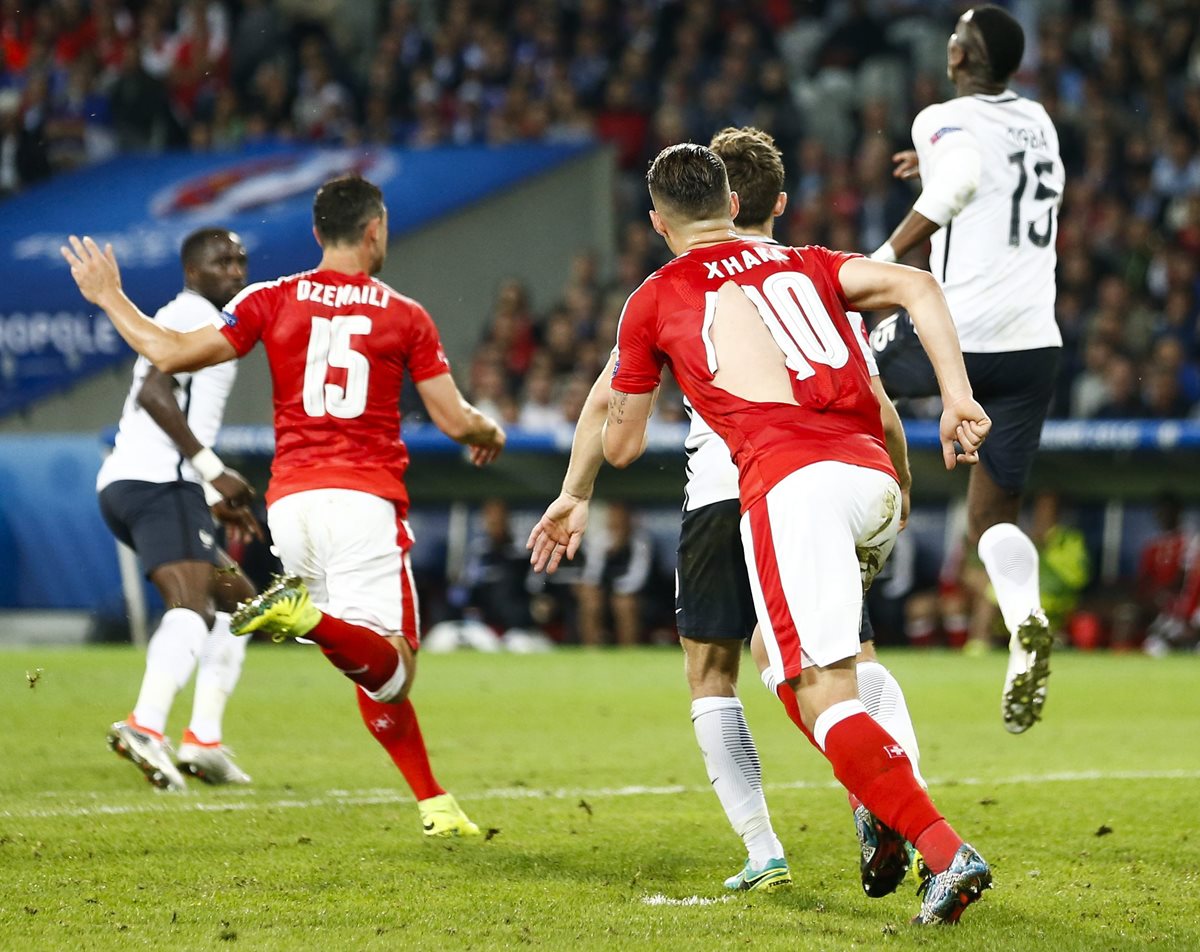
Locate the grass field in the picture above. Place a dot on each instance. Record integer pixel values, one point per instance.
(585, 766)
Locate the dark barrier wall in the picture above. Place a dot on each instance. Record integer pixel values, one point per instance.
(55, 551)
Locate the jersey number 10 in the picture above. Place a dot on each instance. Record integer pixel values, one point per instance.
(329, 346)
(793, 312)
(1043, 191)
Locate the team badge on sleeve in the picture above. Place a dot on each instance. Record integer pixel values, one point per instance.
(943, 131)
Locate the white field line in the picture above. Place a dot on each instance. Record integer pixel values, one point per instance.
(237, 800)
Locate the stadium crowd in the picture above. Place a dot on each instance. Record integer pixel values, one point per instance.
(837, 84)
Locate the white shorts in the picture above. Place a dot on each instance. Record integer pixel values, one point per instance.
(813, 545)
(351, 550)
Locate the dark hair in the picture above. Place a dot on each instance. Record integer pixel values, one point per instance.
(343, 206)
(195, 244)
(1003, 39)
(754, 165)
(690, 181)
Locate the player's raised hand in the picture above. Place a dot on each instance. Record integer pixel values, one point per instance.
(558, 533)
(907, 166)
(95, 271)
(966, 423)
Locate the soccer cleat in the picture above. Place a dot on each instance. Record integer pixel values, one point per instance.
(149, 753)
(442, 816)
(945, 895)
(212, 763)
(774, 873)
(1028, 671)
(886, 855)
(282, 610)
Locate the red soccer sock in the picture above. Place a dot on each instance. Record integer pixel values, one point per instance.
(875, 769)
(364, 656)
(395, 727)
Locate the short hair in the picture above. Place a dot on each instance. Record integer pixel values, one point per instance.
(195, 244)
(754, 165)
(1003, 39)
(690, 181)
(343, 206)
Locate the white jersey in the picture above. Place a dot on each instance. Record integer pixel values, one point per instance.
(711, 474)
(995, 259)
(143, 451)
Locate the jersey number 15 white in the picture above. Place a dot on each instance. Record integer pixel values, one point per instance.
(793, 312)
(329, 346)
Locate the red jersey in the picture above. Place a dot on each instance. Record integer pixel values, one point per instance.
(339, 346)
(796, 291)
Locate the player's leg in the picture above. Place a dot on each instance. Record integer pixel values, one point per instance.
(201, 752)
(1016, 391)
(170, 528)
(321, 535)
(883, 698)
(353, 547)
(714, 613)
(805, 543)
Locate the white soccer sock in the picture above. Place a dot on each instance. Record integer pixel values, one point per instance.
(218, 673)
(170, 661)
(881, 695)
(1011, 560)
(733, 767)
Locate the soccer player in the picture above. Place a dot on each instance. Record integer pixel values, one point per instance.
(339, 342)
(153, 489)
(758, 339)
(715, 610)
(992, 181)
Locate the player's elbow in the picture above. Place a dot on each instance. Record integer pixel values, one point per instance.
(619, 450)
(171, 362)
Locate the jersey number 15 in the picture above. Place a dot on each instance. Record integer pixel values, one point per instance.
(329, 346)
(1042, 192)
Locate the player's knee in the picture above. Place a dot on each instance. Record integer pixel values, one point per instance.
(231, 591)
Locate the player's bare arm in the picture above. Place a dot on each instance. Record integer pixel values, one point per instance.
(913, 230)
(461, 421)
(907, 165)
(99, 280)
(624, 433)
(948, 188)
(875, 285)
(560, 530)
(897, 446)
(157, 397)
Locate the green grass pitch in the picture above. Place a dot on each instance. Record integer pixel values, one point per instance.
(606, 833)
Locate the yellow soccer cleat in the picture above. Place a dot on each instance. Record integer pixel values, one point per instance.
(442, 816)
(282, 610)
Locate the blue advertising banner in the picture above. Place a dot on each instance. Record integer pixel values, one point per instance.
(145, 206)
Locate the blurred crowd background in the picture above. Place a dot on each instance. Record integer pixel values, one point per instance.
(836, 83)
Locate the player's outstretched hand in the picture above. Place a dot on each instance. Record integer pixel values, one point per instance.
(558, 533)
(94, 271)
(233, 486)
(239, 522)
(907, 166)
(966, 423)
(483, 451)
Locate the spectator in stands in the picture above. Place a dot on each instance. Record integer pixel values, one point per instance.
(1157, 608)
(617, 575)
(1123, 399)
(492, 589)
(643, 76)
